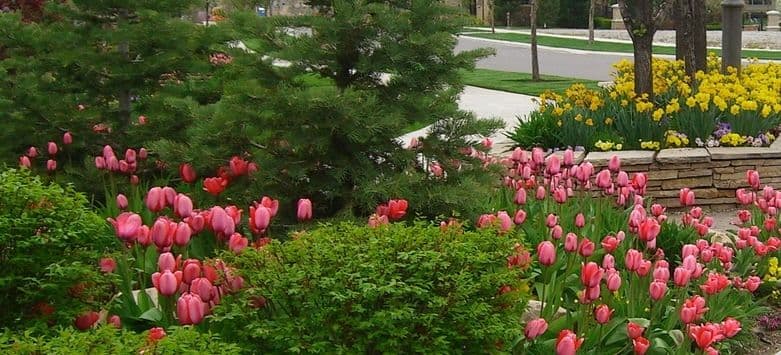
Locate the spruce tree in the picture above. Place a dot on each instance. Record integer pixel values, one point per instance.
(324, 125)
(93, 67)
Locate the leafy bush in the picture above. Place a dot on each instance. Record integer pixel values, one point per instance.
(538, 130)
(49, 245)
(108, 340)
(603, 23)
(392, 289)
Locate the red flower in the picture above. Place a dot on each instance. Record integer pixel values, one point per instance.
(187, 172)
(215, 185)
(397, 209)
(641, 345)
(86, 320)
(156, 334)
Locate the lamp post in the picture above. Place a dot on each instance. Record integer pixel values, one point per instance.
(731, 33)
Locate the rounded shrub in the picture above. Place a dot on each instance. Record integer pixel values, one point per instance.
(354, 289)
(50, 242)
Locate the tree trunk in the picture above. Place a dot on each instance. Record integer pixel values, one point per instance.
(699, 35)
(493, 18)
(683, 35)
(643, 74)
(124, 93)
(591, 22)
(535, 61)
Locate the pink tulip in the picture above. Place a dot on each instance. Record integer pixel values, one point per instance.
(261, 218)
(126, 225)
(100, 163)
(590, 274)
(191, 271)
(376, 220)
(67, 138)
(613, 281)
(115, 321)
(52, 148)
(540, 195)
(155, 199)
(237, 243)
(520, 196)
(190, 309)
(603, 179)
(142, 153)
(640, 345)
(122, 201)
(161, 235)
(130, 156)
(610, 243)
(567, 343)
(662, 274)
(107, 265)
(222, 224)
(273, 205)
(622, 179)
(182, 234)
(645, 268)
(586, 248)
(166, 261)
(537, 156)
(752, 283)
(560, 195)
(520, 217)
(657, 290)
(32, 152)
(571, 243)
(580, 220)
(25, 162)
(608, 262)
(166, 282)
(634, 330)
(170, 195)
(203, 288)
(546, 253)
(731, 327)
(183, 206)
(649, 230)
(686, 197)
(535, 328)
(51, 165)
(569, 157)
(602, 314)
(551, 220)
(614, 164)
(633, 259)
(505, 222)
(556, 232)
(752, 177)
(304, 211)
(554, 165)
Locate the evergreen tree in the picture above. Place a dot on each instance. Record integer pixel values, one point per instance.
(93, 67)
(325, 126)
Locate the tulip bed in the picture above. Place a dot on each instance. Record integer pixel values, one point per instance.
(710, 110)
(609, 271)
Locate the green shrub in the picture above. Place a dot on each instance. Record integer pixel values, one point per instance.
(538, 130)
(108, 340)
(394, 289)
(603, 23)
(49, 246)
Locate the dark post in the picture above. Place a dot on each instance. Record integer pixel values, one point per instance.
(731, 33)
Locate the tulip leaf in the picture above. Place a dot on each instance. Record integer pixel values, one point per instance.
(152, 315)
(677, 336)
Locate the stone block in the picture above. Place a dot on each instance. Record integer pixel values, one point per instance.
(769, 171)
(710, 192)
(746, 163)
(695, 172)
(724, 170)
(729, 184)
(628, 157)
(693, 182)
(714, 201)
(683, 155)
(662, 174)
(730, 153)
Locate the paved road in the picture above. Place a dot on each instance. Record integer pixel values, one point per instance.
(554, 61)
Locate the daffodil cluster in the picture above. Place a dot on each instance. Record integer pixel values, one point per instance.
(692, 108)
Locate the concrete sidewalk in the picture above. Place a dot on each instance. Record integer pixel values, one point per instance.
(486, 103)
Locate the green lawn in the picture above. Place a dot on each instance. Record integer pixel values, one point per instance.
(602, 46)
(520, 83)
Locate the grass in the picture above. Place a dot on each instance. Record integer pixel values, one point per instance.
(602, 46)
(520, 83)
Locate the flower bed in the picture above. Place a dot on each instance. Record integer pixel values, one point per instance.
(710, 110)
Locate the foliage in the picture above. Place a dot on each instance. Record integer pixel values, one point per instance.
(548, 13)
(108, 340)
(50, 242)
(335, 143)
(395, 288)
(732, 109)
(537, 130)
(603, 23)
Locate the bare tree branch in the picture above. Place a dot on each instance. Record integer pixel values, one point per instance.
(663, 12)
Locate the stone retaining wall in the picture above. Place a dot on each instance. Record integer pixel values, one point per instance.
(713, 173)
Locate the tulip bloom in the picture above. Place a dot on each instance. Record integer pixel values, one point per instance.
(686, 197)
(190, 309)
(52, 148)
(569, 157)
(731, 327)
(590, 274)
(535, 328)
(304, 210)
(67, 138)
(260, 218)
(107, 265)
(640, 345)
(203, 288)
(602, 314)
(376, 220)
(115, 321)
(397, 209)
(238, 166)
(551, 220)
(613, 281)
(155, 199)
(237, 243)
(705, 335)
(222, 224)
(571, 242)
(580, 220)
(752, 177)
(161, 234)
(32, 152)
(520, 217)
(634, 330)
(546, 253)
(567, 343)
(25, 162)
(633, 259)
(586, 248)
(86, 320)
(182, 234)
(610, 243)
(187, 173)
(156, 334)
(614, 164)
(604, 180)
(122, 201)
(649, 230)
(657, 290)
(167, 282)
(51, 165)
(126, 225)
(215, 185)
(520, 196)
(183, 206)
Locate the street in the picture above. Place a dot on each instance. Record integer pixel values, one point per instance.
(516, 57)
